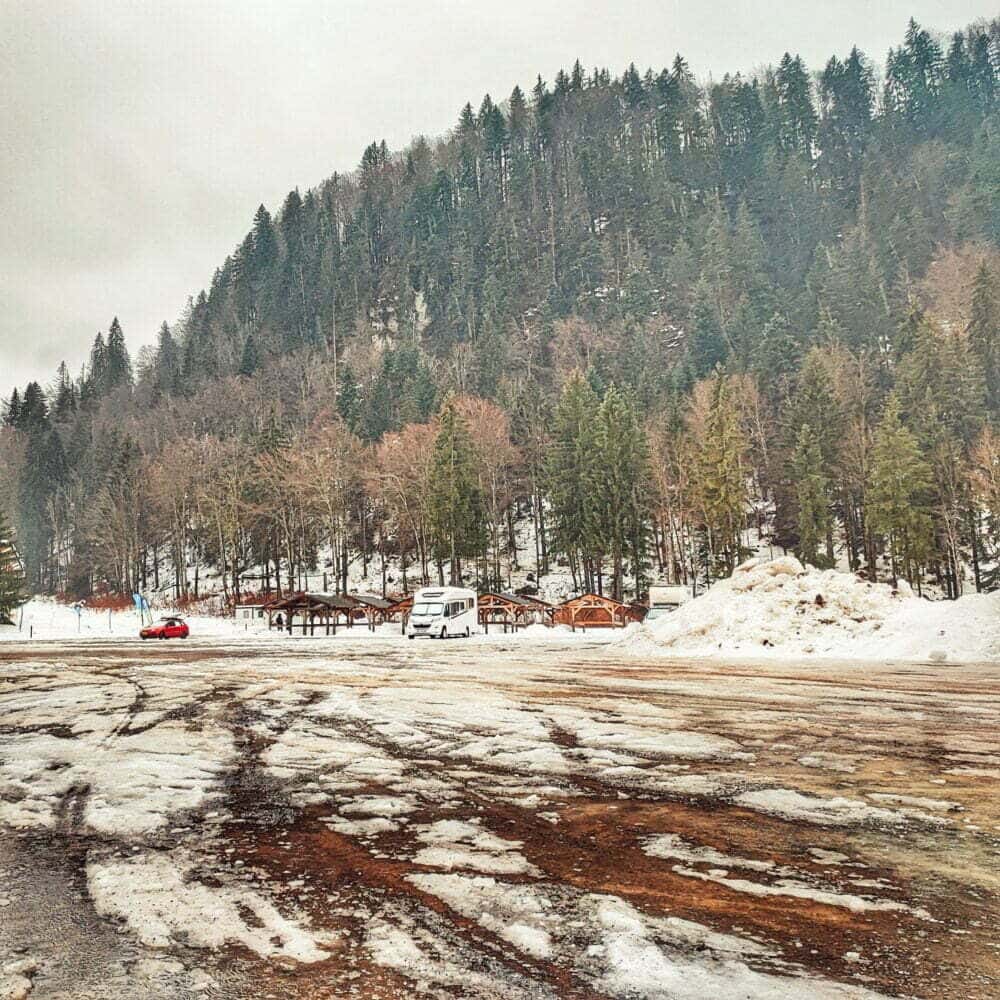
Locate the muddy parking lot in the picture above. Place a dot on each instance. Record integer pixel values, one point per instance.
(372, 818)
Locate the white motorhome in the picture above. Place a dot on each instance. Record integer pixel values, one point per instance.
(440, 612)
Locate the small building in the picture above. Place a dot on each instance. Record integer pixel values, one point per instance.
(513, 611)
(668, 597)
(594, 611)
(250, 612)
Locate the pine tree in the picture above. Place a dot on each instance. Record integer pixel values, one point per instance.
(264, 257)
(12, 583)
(250, 360)
(901, 481)
(34, 411)
(96, 383)
(718, 473)
(572, 474)
(812, 495)
(847, 100)
(168, 362)
(12, 410)
(64, 403)
(706, 346)
(796, 125)
(456, 514)
(44, 473)
(622, 491)
(984, 332)
(119, 365)
(348, 397)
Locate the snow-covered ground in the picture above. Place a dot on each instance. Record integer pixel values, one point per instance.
(773, 609)
(44, 618)
(780, 609)
(517, 816)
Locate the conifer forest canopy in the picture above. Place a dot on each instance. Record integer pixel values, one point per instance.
(640, 313)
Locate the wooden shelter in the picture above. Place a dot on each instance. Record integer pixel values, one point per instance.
(542, 611)
(594, 611)
(374, 610)
(400, 609)
(513, 611)
(311, 610)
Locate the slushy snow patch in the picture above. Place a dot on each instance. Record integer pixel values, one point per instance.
(516, 913)
(672, 847)
(454, 843)
(160, 901)
(837, 811)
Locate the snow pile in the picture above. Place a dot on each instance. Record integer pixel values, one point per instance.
(780, 608)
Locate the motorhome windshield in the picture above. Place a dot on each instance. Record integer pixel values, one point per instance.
(432, 610)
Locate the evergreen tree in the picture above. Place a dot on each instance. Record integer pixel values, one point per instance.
(898, 497)
(796, 115)
(621, 489)
(456, 514)
(168, 362)
(96, 383)
(264, 257)
(812, 496)
(847, 100)
(348, 397)
(45, 471)
(118, 371)
(984, 332)
(34, 411)
(719, 475)
(250, 360)
(12, 583)
(12, 410)
(64, 402)
(572, 476)
(914, 74)
(707, 345)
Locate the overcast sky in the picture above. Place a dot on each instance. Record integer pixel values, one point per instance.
(137, 138)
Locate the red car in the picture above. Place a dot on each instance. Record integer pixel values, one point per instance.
(166, 628)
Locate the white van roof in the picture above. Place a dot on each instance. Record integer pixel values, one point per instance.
(442, 594)
(659, 596)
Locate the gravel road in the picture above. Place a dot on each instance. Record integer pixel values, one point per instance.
(509, 818)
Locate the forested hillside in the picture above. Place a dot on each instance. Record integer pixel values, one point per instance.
(643, 312)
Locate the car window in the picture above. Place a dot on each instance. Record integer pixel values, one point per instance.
(428, 608)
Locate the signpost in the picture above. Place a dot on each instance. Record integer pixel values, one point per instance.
(142, 609)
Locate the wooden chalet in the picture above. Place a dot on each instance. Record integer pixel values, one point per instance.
(513, 611)
(305, 611)
(594, 611)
